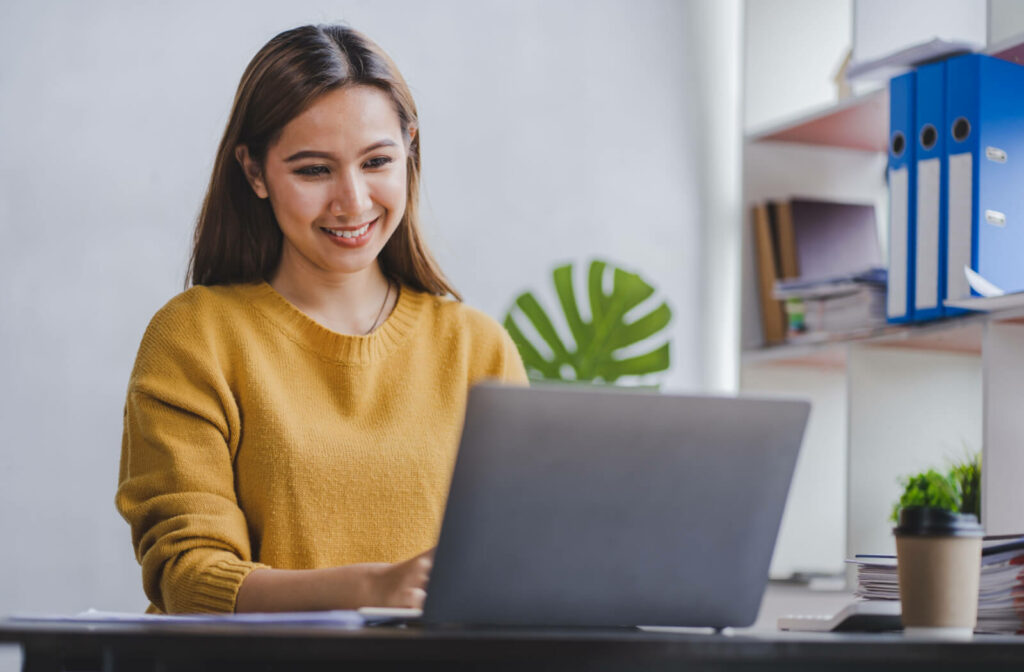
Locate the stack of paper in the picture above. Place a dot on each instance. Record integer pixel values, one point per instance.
(876, 577)
(1000, 591)
(364, 616)
(343, 619)
(837, 306)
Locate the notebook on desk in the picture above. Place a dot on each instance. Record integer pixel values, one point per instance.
(587, 507)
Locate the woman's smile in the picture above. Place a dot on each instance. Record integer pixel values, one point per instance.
(349, 236)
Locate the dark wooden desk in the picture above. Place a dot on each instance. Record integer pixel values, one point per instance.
(226, 647)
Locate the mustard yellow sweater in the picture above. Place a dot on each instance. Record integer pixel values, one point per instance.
(254, 436)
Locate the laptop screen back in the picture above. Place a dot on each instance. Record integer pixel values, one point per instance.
(613, 508)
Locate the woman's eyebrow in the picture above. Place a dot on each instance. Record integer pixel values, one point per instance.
(313, 154)
(309, 154)
(380, 143)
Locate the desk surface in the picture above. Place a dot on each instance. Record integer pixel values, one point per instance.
(164, 646)
(226, 647)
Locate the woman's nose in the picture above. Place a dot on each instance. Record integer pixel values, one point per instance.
(351, 196)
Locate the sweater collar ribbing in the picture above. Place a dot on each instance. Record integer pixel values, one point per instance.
(344, 348)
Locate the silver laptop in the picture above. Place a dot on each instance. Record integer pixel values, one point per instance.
(583, 507)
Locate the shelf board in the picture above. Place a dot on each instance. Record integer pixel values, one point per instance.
(861, 122)
(829, 354)
(958, 335)
(825, 355)
(1014, 315)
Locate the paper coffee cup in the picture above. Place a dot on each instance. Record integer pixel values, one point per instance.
(939, 565)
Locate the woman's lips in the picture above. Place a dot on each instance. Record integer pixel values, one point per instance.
(355, 241)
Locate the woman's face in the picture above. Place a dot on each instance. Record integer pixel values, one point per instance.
(336, 180)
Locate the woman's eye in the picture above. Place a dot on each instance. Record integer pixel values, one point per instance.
(378, 162)
(313, 171)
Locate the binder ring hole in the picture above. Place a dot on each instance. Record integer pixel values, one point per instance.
(929, 136)
(961, 129)
(899, 143)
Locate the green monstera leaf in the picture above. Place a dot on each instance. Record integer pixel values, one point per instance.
(593, 355)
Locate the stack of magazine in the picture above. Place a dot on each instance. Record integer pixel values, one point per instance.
(876, 577)
(1000, 591)
(838, 306)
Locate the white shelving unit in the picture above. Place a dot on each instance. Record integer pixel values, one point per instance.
(889, 403)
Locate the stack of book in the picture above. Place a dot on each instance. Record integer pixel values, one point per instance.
(1000, 591)
(819, 269)
(836, 307)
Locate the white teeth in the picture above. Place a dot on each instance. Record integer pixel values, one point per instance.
(349, 234)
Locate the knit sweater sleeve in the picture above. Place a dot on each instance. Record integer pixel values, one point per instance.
(176, 484)
(495, 356)
(513, 370)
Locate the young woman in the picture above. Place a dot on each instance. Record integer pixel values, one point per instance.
(292, 419)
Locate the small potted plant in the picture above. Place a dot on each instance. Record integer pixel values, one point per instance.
(938, 549)
(958, 491)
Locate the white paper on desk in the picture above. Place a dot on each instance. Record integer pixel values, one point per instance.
(873, 560)
(349, 619)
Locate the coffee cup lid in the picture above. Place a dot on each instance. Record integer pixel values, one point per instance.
(929, 521)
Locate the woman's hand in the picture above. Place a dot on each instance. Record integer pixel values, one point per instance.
(370, 584)
(402, 584)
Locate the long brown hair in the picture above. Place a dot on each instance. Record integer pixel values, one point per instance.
(237, 239)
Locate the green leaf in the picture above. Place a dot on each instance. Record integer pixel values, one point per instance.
(645, 327)
(532, 359)
(958, 491)
(567, 298)
(531, 308)
(967, 475)
(640, 365)
(594, 355)
(940, 491)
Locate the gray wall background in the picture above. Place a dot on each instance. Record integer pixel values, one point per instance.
(553, 130)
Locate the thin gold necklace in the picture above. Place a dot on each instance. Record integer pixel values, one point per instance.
(387, 295)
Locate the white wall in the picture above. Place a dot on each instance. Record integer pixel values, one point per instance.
(1005, 20)
(793, 48)
(812, 536)
(881, 27)
(910, 410)
(552, 130)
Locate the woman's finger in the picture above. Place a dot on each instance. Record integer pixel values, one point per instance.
(417, 597)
